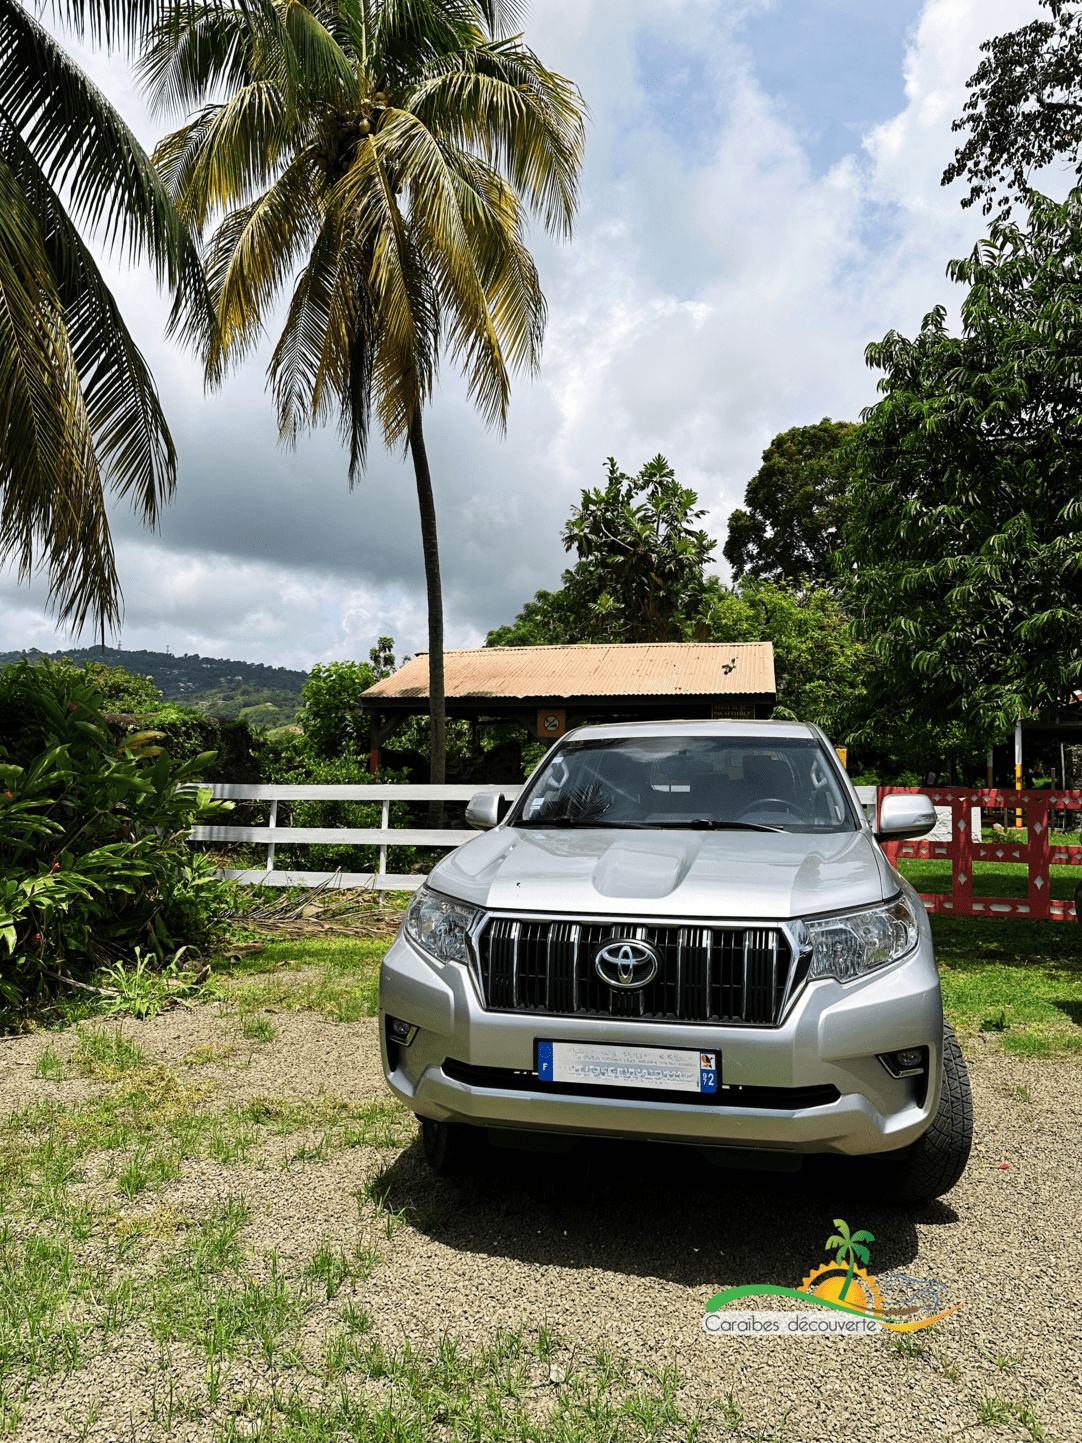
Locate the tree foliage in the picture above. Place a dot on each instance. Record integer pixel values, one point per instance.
(1025, 110)
(640, 567)
(81, 415)
(332, 720)
(965, 540)
(819, 665)
(93, 857)
(641, 576)
(794, 508)
(119, 690)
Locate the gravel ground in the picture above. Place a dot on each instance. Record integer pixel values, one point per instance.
(619, 1247)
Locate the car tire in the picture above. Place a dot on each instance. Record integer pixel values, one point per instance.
(933, 1164)
(448, 1146)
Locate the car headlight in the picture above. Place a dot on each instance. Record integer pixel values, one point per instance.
(848, 947)
(440, 925)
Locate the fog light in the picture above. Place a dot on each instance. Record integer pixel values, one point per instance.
(401, 1032)
(906, 1062)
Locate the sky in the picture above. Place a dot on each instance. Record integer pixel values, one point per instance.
(760, 200)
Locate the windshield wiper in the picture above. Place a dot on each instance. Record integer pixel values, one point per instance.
(708, 824)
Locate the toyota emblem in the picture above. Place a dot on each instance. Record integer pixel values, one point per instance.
(626, 964)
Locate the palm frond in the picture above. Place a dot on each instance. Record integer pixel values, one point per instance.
(196, 48)
(498, 100)
(51, 501)
(310, 364)
(399, 290)
(253, 253)
(82, 146)
(130, 436)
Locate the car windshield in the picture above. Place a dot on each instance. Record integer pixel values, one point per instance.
(724, 782)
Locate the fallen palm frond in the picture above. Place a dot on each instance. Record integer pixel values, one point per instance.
(351, 912)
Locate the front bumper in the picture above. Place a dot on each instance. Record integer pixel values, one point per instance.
(466, 1064)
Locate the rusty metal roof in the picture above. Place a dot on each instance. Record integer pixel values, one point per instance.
(549, 673)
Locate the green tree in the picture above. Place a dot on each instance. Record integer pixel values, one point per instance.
(390, 149)
(1025, 110)
(81, 413)
(332, 720)
(819, 665)
(640, 568)
(790, 525)
(965, 534)
(850, 1250)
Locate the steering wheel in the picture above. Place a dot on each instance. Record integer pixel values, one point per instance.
(761, 806)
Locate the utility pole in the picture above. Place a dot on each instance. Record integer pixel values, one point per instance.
(1018, 769)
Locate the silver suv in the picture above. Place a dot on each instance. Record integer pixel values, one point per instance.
(682, 932)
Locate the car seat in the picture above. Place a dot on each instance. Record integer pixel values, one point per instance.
(766, 776)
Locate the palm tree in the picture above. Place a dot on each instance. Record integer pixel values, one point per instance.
(382, 156)
(79, 413)
(849, 1250)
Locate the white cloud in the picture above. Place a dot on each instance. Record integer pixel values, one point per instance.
(718, 291)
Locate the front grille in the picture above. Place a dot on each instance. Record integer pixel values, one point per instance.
(767, 1099)
(735, 975)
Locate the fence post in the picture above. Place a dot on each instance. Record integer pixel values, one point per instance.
(1039, 856)
(385, 822)
(962, 854)
(270, 845)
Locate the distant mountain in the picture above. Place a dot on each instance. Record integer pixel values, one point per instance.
(181, 678)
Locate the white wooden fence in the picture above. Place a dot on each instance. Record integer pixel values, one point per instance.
(383, 836)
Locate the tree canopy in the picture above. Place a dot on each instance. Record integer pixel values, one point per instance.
(640, 566)
(965, 540)
(791, 522)
(1025, 109)
(819, 664)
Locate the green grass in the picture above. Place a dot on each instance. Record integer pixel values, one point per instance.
(336, 976)
(502, 1392)
(259, 1029)
(1021, 980)
(990, 879)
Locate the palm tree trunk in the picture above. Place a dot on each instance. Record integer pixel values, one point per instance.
(437, 705)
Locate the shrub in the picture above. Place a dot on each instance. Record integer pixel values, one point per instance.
(295, 764)
(93, 860)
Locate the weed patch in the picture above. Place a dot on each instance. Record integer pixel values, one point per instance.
(105, 1053)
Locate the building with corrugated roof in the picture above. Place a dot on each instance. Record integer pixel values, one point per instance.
(551, 689)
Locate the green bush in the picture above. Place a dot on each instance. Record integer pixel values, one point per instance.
(93, 857)
(186, 734)
(294, 764)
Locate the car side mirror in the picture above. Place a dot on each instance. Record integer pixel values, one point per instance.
(487, 809)
(903, 817)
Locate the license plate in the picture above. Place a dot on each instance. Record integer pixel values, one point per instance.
(665, 1069)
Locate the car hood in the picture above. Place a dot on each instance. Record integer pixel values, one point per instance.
(677, 874)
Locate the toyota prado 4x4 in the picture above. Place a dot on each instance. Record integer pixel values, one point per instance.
(682, 932)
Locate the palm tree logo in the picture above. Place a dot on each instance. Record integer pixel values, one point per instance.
(850, 1248)
(850, 1253)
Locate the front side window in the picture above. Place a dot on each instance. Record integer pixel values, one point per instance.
(781, 784)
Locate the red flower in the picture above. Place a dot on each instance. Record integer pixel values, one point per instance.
(55, 867)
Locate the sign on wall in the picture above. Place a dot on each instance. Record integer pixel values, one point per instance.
(550, 723)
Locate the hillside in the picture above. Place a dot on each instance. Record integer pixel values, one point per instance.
(194, 679)
(260, 706)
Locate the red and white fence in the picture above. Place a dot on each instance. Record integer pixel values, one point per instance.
(964, 848)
